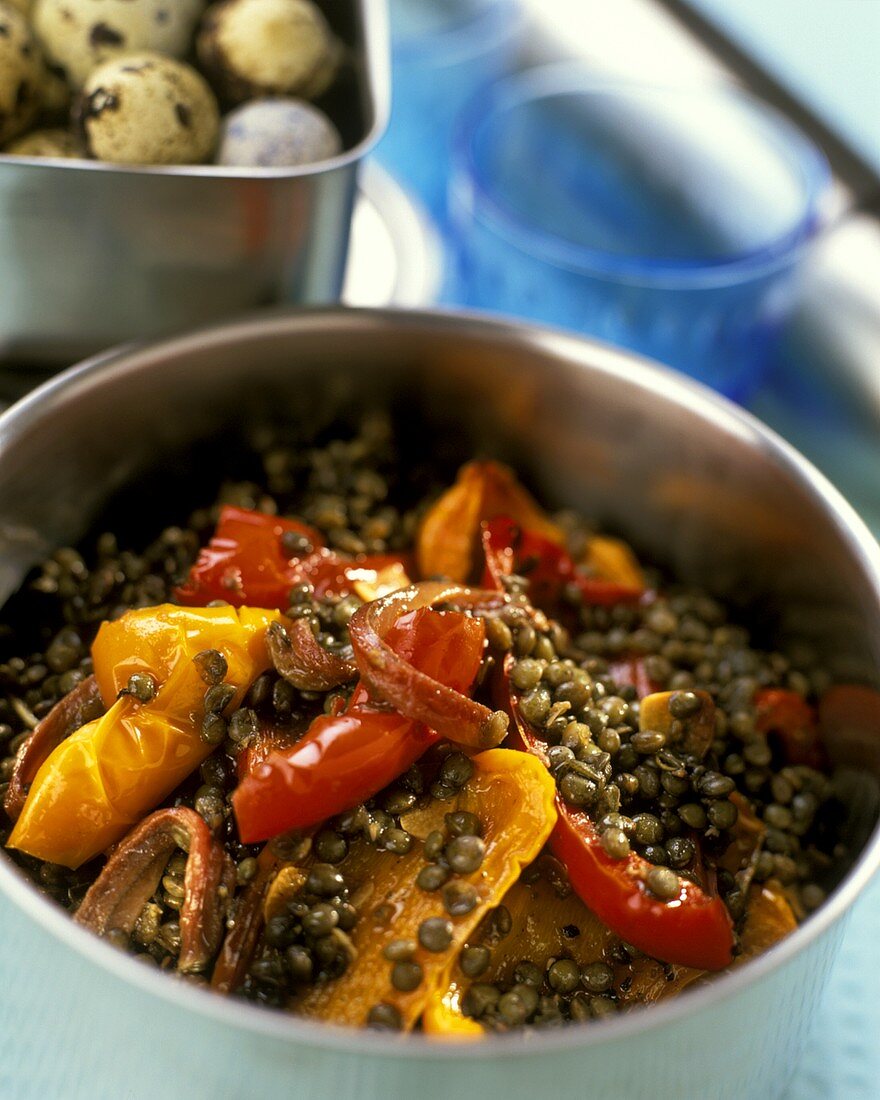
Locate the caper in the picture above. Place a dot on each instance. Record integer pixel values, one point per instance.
(141, 686)
(212, 665)
(213, 729)
(456, 770)
(218, 697)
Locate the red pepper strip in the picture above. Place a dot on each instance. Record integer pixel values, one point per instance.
(75, 709)
(693, 929)
(510, 548)
(346, 758)
(790, 717)
(392, 677)
(631, 672)
(245, 563)
(132, 873)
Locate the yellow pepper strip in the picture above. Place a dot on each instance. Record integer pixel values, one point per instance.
(612, 560)
(448, 538)
(547, 920)
(105, 777)
(514, 800)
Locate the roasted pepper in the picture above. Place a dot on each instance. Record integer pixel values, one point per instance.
(510, 547)
(256, 559)
(788, 716)
(512, 795)
(108, 774)
(345, 758)
(694, 928)
(547, 921)
(448, 541)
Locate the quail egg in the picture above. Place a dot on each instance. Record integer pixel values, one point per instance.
(46, 143)
(276, 133)
(20, 72)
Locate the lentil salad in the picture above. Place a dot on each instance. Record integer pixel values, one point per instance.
(654, 759)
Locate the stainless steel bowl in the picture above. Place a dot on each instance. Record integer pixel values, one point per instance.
(92, 254)
(693, 481)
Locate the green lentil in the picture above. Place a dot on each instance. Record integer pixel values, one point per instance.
(406, 976)
(435, 934)
(399, 950)
(330, 847)
(384, 1017)
(663, 883)
(615, 843)
(432, 877)
(397, 841)
(459, 898)
(597, 977)
(463, 823)
(465, 854)
(474, 960)
(563, 976)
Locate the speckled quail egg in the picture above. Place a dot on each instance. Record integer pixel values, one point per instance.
(20, 71)
(276, 133)
(46, 143)
(251, 48)
(77, 35)
(144, 108)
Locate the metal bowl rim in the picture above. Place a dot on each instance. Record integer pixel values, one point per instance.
(585, 354)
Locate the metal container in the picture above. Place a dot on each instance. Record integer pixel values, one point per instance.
(92, 254)
(695, 483)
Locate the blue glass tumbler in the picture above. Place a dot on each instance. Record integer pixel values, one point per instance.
(443, 51)
(671, 221)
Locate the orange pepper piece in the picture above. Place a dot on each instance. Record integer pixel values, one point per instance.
(448, 540)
